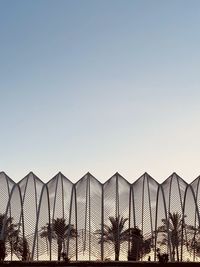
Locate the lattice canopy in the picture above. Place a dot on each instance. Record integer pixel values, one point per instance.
(88, 220)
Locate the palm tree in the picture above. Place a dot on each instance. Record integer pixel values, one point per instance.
(193, 240)
(9, 233)
(172, 229)
(139, 246)
(46, 232)
(114, 233)
(22, 249)
(59, 231)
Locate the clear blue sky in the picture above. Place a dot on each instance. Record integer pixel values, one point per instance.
(100, 86)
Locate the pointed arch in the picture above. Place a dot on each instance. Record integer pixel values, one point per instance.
(89, 207)
(30, 187)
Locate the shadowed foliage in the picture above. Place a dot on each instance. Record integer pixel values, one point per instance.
(172, 229)
(114, 233)
(139, 246)
(22, 250)
(59, 231)
(9, 233)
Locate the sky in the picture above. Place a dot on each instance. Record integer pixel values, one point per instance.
(100, 86)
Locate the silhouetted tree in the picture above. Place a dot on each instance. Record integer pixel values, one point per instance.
(193, 240)
(172, 229)
(114, 233)
(139, 246)
(21, 248)
(59, 231)
(46, 232)
(9, 233)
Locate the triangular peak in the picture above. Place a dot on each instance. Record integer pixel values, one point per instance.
(174, 176)
(6, 182)
(63, 177)
(145, 181)
(56, 178)
(30, 176)
(35, 177)
(6, 188)
(93, 177)
(85, 177)
(89, 174)
(3, 175)
(115, 177)
(121, 178)
(150, 178)
(179, 178)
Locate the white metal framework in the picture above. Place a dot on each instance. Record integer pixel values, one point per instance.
(167, 214)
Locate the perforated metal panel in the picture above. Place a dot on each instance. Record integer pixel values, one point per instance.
(88, 220)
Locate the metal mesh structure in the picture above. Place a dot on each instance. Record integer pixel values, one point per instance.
(90, 220)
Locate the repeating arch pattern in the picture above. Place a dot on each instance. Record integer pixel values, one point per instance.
(167, 214)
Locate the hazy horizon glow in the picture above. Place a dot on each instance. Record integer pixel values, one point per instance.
(100, 86)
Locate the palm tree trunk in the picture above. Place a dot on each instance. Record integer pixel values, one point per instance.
(59, 249)
(173, 253)
(11, 251)
(2, 250)
(117, 249)
(177, 253)
(134, 252)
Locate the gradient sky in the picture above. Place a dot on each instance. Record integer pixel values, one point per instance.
(100, 86)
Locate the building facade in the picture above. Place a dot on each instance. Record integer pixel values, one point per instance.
(167, 215)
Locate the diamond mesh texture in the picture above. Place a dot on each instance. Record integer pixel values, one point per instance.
(61, 219)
